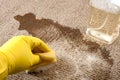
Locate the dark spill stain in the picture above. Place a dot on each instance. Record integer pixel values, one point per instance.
(48, 30)
(106, 55)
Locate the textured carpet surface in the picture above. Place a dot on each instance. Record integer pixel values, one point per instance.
(62, 25)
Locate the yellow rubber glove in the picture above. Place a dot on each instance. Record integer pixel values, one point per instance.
(23, 52)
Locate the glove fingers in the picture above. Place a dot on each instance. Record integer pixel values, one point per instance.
(37, 43)
(36, 59)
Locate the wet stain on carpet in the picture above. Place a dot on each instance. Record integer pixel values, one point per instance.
(48, 31)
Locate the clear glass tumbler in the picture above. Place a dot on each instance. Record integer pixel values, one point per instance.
(104, 21)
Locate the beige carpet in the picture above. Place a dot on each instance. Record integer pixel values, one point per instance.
(61, 24)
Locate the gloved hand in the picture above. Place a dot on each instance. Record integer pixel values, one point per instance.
(23, 52)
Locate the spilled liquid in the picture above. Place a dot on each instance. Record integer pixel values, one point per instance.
(81, 59)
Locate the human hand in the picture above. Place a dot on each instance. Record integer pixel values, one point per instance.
(23, 52)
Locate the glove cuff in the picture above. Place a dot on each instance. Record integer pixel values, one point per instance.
(3, 66)
(10, 61)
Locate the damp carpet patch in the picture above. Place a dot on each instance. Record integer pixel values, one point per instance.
(61, 24)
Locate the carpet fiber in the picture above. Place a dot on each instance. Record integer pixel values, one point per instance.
(62, 25)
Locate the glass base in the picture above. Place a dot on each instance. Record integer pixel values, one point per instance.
(101, 36)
